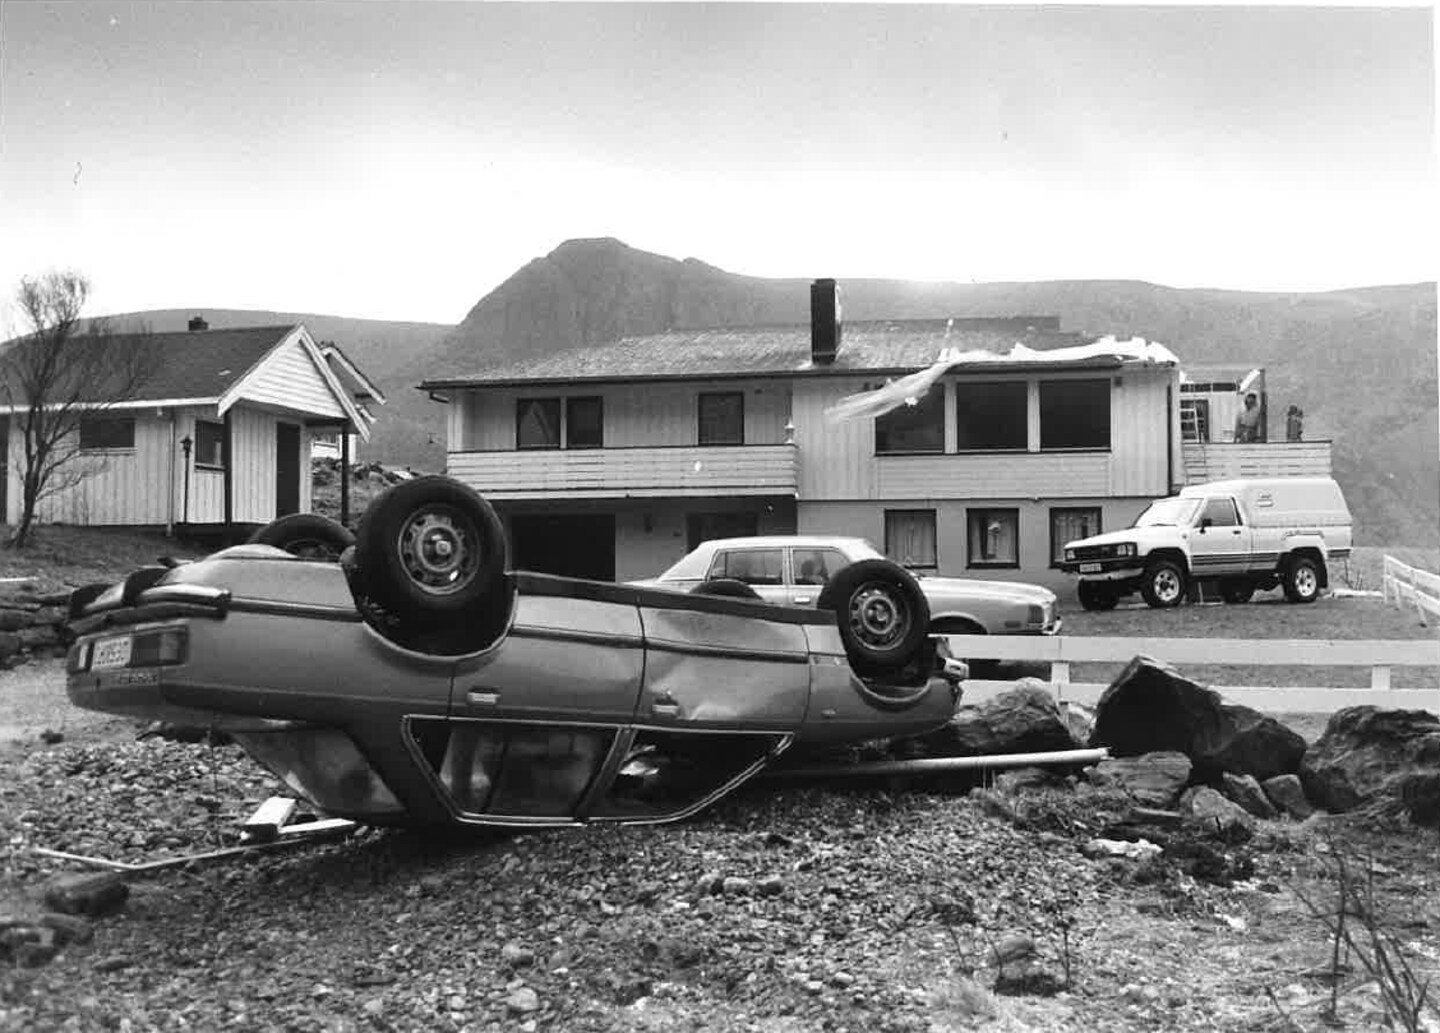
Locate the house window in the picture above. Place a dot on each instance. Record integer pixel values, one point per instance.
(913, 428)
(991, 416)
(721, 418)
(1068, 524)
(104, 433)
(994, 537)
(537, 423)
(1075, 413)
(1195, 419)
(209, 444)
(584, 422)
(910, 538)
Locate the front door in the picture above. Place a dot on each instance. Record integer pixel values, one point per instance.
(1219, 543)
(287, 469)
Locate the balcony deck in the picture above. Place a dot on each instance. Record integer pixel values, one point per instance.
(615, 473)
(1219, 461)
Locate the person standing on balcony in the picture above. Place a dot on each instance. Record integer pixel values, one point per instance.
(1294, 423)
(1247, 424)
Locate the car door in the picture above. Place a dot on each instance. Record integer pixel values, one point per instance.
(811, 568)
(1219, 541)
(760, 567)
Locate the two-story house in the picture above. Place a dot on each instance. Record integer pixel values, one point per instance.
(613, 461)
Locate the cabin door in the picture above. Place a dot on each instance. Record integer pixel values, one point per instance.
(287, 469)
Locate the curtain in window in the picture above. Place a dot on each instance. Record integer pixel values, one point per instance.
(910, 537)
(994, 537)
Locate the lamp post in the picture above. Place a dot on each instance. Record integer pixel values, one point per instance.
(186, 444)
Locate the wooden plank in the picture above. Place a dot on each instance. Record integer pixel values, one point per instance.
(1269, 652)
(1271, 699)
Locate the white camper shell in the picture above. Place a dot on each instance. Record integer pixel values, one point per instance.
(1243, 535)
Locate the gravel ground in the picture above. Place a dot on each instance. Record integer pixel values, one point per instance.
(785, 908)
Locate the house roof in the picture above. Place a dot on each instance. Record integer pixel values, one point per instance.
(894, 346)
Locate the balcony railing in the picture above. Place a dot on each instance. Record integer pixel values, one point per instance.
(629, 472)
(1218, 461)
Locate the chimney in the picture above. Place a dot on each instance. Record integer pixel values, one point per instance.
(198, 323)
(824, 322)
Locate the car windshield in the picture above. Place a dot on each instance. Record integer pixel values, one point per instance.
(1173, 512)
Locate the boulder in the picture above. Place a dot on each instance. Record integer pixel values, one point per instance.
(1209, 810)
(1367, 753)
(1246, 791)
(1288, 795)
(1025, 719)
(1152, 707)
(94, 895)
(1152, 780)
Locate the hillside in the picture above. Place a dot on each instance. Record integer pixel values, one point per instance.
(1361, 362)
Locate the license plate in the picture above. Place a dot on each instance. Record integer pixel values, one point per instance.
(1089, 568)
(111, 652)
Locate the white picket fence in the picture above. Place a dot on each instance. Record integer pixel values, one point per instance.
(1381, 657)
(1404, 585)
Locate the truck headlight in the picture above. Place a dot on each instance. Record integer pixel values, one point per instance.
(1069, 554)
(1125, 549)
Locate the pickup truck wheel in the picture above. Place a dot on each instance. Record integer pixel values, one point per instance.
(1302, 580)
(1163, 585)
(727, 587)
(1097, 596)
(1236, 589)
(882, 613)
(430, 548)
(307, 535)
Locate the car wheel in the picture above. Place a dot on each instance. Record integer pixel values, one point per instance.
(1237, 589)
(1302, 580)
(882, 614)
(1164, 584)
(729, 587)
(1097, 596)
(430, 547)
(307, 535)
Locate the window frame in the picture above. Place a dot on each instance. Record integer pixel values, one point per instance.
(128, 422)
(1057, 545)
(202, 464)
(1022, 386)
(934, 528)
(701, 399)
(982, 514)
(521, 410)
(937, 393)
(1055, 384)
(569, 421)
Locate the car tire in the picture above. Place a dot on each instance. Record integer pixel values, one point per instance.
(1163, 584)
(307, 535)
(1236, 589)
(1096, 596)
(728, 587)
(1302, 580)
(882, 614)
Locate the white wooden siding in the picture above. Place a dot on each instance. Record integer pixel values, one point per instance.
(1223, 461)
(635, 415)
(1141, 431)
(289, 378)
(628, 472)
(1011, 475)
(124, 486)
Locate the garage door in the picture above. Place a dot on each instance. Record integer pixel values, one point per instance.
(575, 545)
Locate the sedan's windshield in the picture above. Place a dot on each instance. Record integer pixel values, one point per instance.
(1174, 512)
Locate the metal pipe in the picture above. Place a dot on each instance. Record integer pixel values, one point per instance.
(927, 765)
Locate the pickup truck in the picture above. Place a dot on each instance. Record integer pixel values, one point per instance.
(1244, 535)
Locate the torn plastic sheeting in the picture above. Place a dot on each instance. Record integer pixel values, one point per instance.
(930, 765)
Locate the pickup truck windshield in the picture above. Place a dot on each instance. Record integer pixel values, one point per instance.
(1174, 512)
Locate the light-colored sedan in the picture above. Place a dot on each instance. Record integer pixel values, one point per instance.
(792, 570)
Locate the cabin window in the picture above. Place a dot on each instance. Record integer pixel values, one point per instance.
(106, 433)
(537, 423)
(993, 536)
(991, 416)
(209, 444)
(918, 427)
(584, 422)
(910, 538)
(721, 418)
(1069, 524)
(1075, 413)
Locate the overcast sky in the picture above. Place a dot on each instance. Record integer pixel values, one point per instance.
(399, 161)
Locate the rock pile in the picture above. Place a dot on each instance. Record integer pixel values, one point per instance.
(32, 624)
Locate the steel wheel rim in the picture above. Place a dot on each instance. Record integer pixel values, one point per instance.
(1166, 584)
(1305, 581)
(878, 616)
(439, 550)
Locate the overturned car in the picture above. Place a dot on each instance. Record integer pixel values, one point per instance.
(411, 678)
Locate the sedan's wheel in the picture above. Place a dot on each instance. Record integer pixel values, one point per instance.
(307, 535)
(728, 587)
(882, 614)
(1302, 580)
(1236, 589)
(430, 554)
(1164, 584)
(1096, 595)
